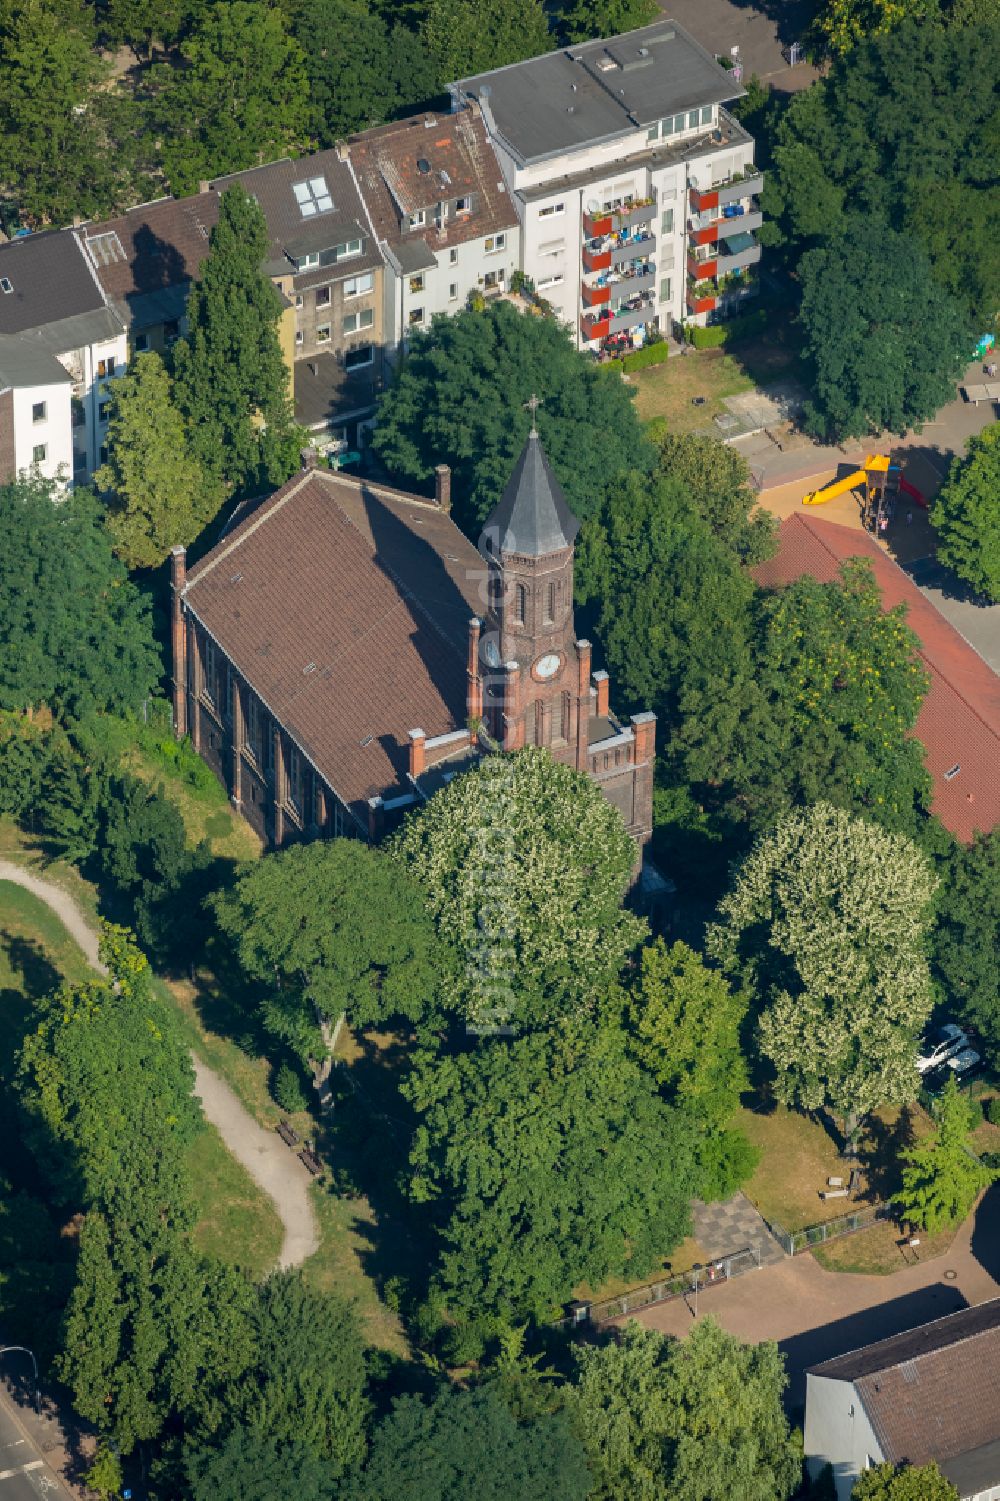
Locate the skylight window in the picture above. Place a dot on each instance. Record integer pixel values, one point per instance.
(313, 197)
(106, 249)
(6, 285)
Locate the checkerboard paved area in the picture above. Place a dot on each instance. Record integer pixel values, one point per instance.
(721, 1229)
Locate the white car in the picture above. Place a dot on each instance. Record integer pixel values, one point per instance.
(964, 1061)
(942, 1045)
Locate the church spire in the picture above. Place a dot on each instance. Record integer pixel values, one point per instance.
(532, 518)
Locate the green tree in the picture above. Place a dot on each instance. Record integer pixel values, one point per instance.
(842, 24)
(546, 933)
(579, 20)
(230, 376)
(471, 36)
(940, 1175)
(964, 515)
(69, 805)
(698, 1419)
(686, 1022)
(247, 1465)
(332, 927)
(886, 343)
(459, 398)
(27, 751)
(965, 935)
(242, 97)
(716, 481)
(161, 497)
(907, 1483)
(466, 1442)
(76, 634)
(546, 1161)
(104, 1477)
(826, 926)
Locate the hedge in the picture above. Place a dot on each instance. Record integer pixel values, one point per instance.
(649, 354)
(726, 333)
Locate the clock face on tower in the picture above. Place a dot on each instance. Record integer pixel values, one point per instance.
(547, 666)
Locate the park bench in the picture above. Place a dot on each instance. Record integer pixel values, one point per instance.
(835, 1193)
(288, 1136)
(311, 1161)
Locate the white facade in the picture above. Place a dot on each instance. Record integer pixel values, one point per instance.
(838, 1432)
(43, 430)
(555, 235)
(92, 370)
(484, 265)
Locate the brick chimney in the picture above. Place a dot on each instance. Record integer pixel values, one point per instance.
(309, 457)
(644, 729)
(602, 683)
(583, 651)
(178, 637)
(442, 487)
(376, 819)
(512, 738)
(474, 691)
(418, 753)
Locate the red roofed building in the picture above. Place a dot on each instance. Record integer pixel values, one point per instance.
(959, 720)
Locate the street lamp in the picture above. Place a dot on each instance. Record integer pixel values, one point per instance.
(23, 1350)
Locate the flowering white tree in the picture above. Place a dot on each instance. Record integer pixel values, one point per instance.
(826, 925)
(524, 864)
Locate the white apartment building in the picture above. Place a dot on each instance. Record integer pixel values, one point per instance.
(52, 304)
(36, 423)
(443, 215)
(635, 189)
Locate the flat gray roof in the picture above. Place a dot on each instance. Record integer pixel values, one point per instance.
(598, 90)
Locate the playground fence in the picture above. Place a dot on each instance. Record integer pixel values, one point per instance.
(793, 1242)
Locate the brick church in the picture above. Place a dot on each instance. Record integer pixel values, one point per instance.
(344, 651)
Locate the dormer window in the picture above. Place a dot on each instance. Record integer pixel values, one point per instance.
(463, 205)
(417, 220)
(306, 262)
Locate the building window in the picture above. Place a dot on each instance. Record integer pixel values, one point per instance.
(171, 330)
(39, 411)
(520, 603)
(667, 222)
(416, 316)
(141, 343)
(299, 300)
(558, 725)
(313, 197)
(706, 115)
(665, 289)
(299, 336)
(653, 132)
(344, 252)
(692, 119)
(39, 453)
(417, 220)
(359, 284)
(453, 257)
(678, 123)
(552, 281)
(355, 358)
(363, 319)
(417, 283)
(323, 334)
(494, 278)
(453, 291)
(295, 780)
(551, 209)
(306, 262)
(322, 296)
(106, 367)
(493, 243)
(463, 205)
(550, 605)
(103, 411)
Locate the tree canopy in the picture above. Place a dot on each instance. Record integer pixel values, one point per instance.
(333, 927)
(964, 515)
(886, 343)
(459, 399)
(465, 1443)
(546, 1161)
(965, 935)
(469, 36)
(247, 1465)
(940, 1176)
(716, 481)
(524, 864)
(161, 497)
(76, 633)
(827, 927)
(698, 1419)
(230, 376)
(907, 1483)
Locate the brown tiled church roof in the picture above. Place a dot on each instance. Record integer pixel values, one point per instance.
(959, 720)
(346, 606)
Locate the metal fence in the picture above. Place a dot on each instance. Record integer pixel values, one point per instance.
(680, 1286)
(795, 1241)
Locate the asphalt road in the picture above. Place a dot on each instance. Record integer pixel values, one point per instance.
(24, 1474)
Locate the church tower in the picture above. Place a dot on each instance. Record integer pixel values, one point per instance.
(536, 676)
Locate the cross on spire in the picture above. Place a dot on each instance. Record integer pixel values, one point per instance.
(532, 404)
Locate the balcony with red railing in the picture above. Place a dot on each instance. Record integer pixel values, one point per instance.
(701, 268)
(596, 259)
(596, 325)
(596, 225)
(595, 296)
(702, 296)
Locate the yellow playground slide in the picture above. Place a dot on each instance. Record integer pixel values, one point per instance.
(875, 463)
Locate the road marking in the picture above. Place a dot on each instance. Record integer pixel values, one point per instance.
(34, 1464)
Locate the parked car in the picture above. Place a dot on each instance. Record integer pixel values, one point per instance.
(963, 1062)
(941, 1045)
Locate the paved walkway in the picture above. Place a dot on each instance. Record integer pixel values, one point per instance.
(268, 1161)
(815, 1314)
(723, 1229)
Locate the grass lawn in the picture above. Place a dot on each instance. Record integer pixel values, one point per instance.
(687, 1255)
(236, 1221)
(667, 391)
(348, 1232)
(36, 953)
(797, 1157)
(876, 1251)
